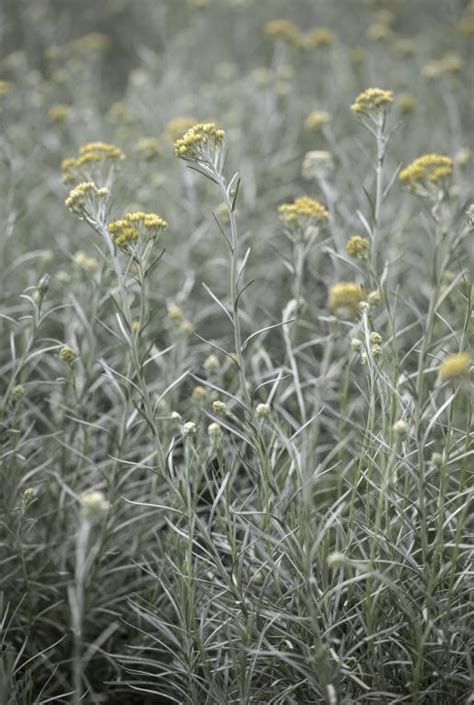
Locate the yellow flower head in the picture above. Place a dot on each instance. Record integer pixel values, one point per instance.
(406, 102)
(303, 212)
(454, 366)
(148, 148)
(284, 30)
(86, 199)
(58, 113)
(5, 87)
(344, 299)
(128, 230)
(201, 143)
(83, 260)
(95, 158)
(447, 65)
(428, 170)
(316, 119)
(319, 37)
(67, 354)
(372, 102)
(357, 246)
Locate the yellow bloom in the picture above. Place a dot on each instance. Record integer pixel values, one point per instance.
(148, 148)
(319, 37)
(67, 354)
(58, 113)
(5, 87)
(85, 198)
(303, 212)
(284, 30)
(201, 142)
(85, 261)
(316, 119)
(429, 169)
(344, 299)
(447, 65)
(357, 246)
(406, 102)
(372, 101)
(454, 366)
(91, 156)
(132, 226)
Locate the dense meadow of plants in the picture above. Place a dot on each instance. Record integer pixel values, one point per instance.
(236, 270)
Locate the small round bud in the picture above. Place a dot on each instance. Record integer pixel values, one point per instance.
(356, 344)
(43, 284)
(376, 351)
(18, 392)
(199, 393)
(211, 364)
(29, 494)
(67, 354)
(175, 416)
(374, 297)
(336, 560)
(189, 428)
(94, 505)
(219, 408)
(263, 410)
(400, 427)
(215, 432)
(375, 338)
(437, 459)
(257, 579)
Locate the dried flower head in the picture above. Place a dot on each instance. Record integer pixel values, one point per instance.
(379, 32)
(426, 172)
(316, 119)
(344, 299)
(86, 200)
(148, 148)
(318, 37)
(357, 246)
(96, 160)
(372, 103)
(219, 407)
(135, 226)
(214, 431)
(448, 65)
(58, 113)
(454, 366)
(317, 163)
(285, 31)
(83, 260)
(303, 213)
(201, 143)
(400, 427)
(189, 428)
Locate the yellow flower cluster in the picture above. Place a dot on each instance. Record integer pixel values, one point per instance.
(200, 142)
(344, 299)
(58, 113)
(67, 354)
(178, 126)
(91, 154)
(427, 169)
(316, 119)
(303, 212)
(84, 198)
(127, 230)
(317, 38)
(372, 100)
(454, 366)
(148, 148)
(83, 260)
(357, 246)
(447, 65)
(5, 87)
(284, 30)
